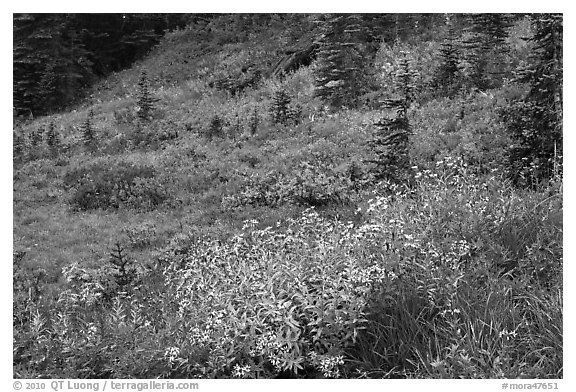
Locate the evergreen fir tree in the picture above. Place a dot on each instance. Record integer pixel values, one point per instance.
(35, 137)
(535, 122)
(342, 71)
(52, 138)
(485, 49)
(390, 146)
(253, 122)
(145, 99)
(124, 273)
(215, 128)
(448, 74)
(390, 143)
(236, 126)
(18, 144)
(88, 131)
(295, 113)
(280, 109)
(404, 82)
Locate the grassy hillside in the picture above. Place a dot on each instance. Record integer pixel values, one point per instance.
(211, 241)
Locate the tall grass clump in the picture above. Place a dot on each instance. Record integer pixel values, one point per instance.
(472, 294)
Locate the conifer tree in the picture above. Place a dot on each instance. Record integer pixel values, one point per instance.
(88, 131)
(52, 138)
(124, 271)
(215, 127)
(342, 67)
(236, 126)
(390, 143)
(485, 49)
(18, 144)
(145, 99)
(448, 74)
(535, 122)
(35, 137)
(404, 81)
(280, 109)
(253, 122)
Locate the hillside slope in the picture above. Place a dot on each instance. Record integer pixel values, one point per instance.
(238, 228)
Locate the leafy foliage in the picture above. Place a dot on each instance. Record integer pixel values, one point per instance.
(114, 186)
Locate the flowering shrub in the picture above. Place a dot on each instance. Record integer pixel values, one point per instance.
(277, 300)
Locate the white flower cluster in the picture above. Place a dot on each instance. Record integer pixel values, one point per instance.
(200, 336)
(449, 311)
(378, 204)
(462, 247)
(507, 334)
(267, 342)
(329, 366)
(240, 371)
(268, 346)
(91, 332)
(171, 354)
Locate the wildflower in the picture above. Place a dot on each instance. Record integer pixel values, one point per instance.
(329, 366)
(172, 353)
(240, 371)
(507, 334)
(92, 330)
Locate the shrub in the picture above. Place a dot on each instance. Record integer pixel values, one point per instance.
(309, 184)
(215, 128)
(295, 315)
(115, 185)
(468, 127)
(153, 135)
